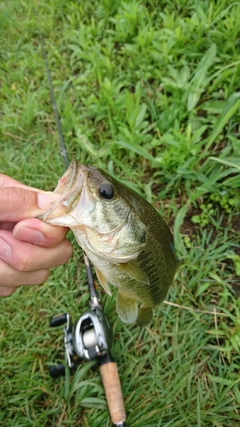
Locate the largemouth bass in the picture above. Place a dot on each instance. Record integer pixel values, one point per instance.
(125, 238)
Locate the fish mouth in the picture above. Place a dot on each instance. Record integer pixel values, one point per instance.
(68, 180)
(69, 188)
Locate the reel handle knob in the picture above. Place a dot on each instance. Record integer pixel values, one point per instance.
(58, 320)
(57, 371)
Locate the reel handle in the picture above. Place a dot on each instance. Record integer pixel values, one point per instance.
(58, 320)
(112, 388)
(57, 371)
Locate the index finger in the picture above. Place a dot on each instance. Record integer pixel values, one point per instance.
(7, 181)
(17, 203)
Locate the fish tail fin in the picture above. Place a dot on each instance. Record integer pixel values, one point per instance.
(127, 308)
(144, 316)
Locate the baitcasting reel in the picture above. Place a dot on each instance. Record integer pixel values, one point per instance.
(88, 339)
(91, 338)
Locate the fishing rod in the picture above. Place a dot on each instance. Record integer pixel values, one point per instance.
(90, 337)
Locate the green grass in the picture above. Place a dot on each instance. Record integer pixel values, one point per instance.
(150, 92)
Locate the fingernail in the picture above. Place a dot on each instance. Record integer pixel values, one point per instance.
(46, 200)
(29, 235)
(5, 249)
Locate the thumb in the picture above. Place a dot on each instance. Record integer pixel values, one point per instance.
(18, 203)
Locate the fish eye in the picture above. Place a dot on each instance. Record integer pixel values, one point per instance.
(106, 191)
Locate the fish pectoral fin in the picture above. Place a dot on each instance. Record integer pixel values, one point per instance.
(103, 281)
(135, 272)
(127, 308)
(144, 316)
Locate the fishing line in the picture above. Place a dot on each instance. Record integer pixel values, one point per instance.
(54, 105)
(91, 336)
(63, 151)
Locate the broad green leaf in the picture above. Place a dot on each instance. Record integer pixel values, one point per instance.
(230, 108)
(139, 150)
(219, 380)
(203, 288)
(199, 80)
(235, 343)
(232, 163)
(232, 182)
(141, 114)
(176, 230)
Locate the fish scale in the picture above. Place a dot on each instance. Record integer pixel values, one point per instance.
(125, 238)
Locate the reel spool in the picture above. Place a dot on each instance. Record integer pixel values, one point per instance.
(92, 335)
(89, 339)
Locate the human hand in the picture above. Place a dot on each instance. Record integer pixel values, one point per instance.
(28, 246)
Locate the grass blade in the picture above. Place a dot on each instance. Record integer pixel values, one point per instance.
(199, 80)
(230, 108)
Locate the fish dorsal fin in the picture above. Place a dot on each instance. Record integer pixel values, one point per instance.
(103, 281)
(127, 308)
(135, 272)
(144, 316)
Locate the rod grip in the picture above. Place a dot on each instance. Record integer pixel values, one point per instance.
(113, 392)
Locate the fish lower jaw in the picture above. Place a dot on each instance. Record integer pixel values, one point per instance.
(63, 221)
